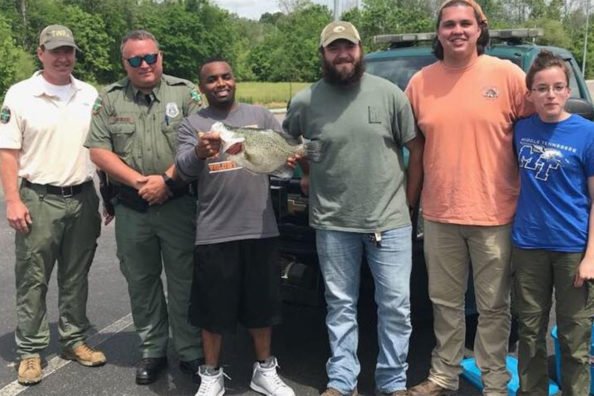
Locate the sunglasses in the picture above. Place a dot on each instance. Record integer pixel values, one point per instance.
(136, 61)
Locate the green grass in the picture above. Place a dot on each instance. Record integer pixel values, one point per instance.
(268, 94)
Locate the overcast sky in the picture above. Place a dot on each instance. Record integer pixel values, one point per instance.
(254, 8)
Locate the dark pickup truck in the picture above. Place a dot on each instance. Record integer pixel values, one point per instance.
(404, 56)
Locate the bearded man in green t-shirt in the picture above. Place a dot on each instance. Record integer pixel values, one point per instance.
(360, 198)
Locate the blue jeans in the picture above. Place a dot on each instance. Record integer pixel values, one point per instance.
(340, 256)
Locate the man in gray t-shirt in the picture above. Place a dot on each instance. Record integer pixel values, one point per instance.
(236, 273)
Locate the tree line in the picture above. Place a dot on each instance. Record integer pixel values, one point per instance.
(280, 46)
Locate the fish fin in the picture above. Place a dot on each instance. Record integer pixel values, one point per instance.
(218, 127)
(313, 150)
(285, 172)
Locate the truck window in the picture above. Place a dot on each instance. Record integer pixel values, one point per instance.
(398, 70)
(573, 84)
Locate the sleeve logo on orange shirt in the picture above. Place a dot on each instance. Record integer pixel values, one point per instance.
(490, 92)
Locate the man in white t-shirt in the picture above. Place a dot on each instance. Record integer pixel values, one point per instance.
(44, 121)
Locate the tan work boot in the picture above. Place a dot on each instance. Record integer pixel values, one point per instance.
(430, 388)
(85, 355)
(30, 371)
(335, 392)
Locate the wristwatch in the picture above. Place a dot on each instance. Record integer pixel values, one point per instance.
(169, 182)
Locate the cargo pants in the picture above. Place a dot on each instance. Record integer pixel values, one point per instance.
(148, 242)
(536, 274)
(64, 230)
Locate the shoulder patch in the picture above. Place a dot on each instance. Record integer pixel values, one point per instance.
(4, 115)
(97, 105)
(195, 95)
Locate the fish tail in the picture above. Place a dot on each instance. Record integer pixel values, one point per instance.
(313, 150)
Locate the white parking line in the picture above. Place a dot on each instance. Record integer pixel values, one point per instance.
(14, 388)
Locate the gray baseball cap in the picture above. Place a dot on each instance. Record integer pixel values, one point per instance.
(54, 36)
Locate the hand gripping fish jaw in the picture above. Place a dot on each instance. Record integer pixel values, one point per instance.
(231, 144)
(233, 149)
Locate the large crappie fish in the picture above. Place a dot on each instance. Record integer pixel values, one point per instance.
(264, 150)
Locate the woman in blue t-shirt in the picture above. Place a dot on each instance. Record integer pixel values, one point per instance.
(553, 247)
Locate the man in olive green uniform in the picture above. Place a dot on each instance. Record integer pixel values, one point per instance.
(132, 139)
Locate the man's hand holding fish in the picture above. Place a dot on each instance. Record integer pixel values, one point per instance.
(208, 145)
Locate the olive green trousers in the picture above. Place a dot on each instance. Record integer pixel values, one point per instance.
(64, 230)
(537, 273)
(148, 242)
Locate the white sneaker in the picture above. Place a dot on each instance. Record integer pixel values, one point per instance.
(211, 384)
(266, 381)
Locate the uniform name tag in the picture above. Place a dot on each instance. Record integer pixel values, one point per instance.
(121, 120)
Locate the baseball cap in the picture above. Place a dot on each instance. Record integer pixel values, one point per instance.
(339, 30)
(471, 3)
(54, 36)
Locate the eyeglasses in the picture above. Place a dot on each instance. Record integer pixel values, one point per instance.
(545, 89)
(136, 61)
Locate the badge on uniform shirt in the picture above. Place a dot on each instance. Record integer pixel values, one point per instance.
(196, 96)
(171, 110)
(5, 115)
(97, 105)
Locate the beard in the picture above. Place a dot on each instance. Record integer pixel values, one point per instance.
(333, 76)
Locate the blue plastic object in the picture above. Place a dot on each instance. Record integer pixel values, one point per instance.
(472, 374)
(558, 357)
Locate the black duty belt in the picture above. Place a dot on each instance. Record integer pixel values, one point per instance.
(129, 197)
(66, 192)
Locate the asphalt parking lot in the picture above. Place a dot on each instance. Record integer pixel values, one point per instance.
(300, 343)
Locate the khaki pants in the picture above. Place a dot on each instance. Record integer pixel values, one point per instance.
(536, 273)
(64, 230)
(449, 250)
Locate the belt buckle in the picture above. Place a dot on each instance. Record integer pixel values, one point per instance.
(67, 192)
